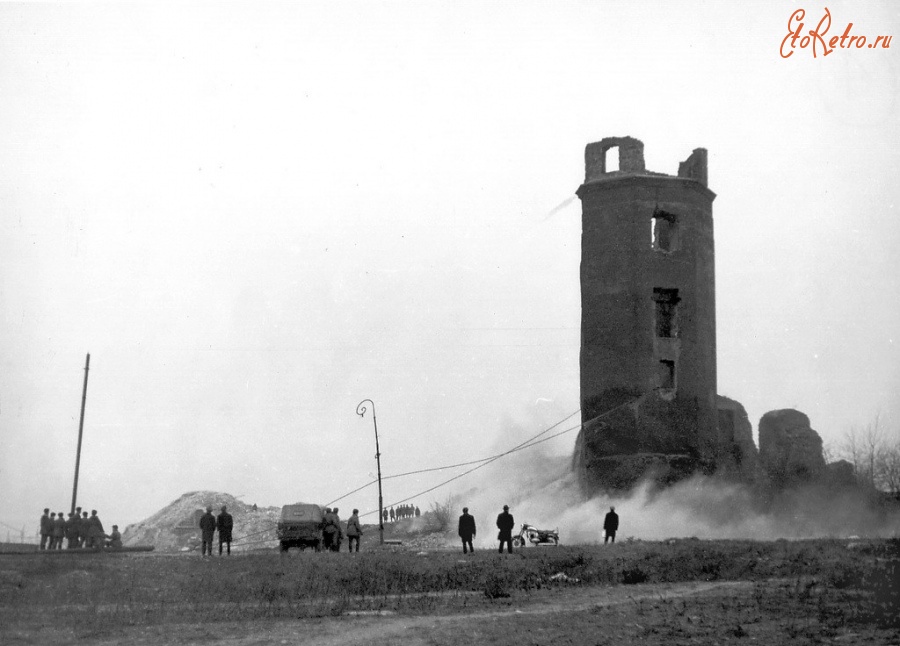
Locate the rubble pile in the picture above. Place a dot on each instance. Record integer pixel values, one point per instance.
(175, 528)
(790, 451)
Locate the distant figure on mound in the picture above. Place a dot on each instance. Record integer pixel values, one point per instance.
(207, 529)
(610, 526)
(505, 523)
(466, 530)
(393, 515)
(354, 531)
(224, 523)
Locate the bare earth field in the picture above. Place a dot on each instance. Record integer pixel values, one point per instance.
(673, 592)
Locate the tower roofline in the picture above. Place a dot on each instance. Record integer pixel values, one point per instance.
(647, 179)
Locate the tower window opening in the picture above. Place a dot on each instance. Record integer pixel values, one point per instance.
(664, 231)
(666, 312)
(666, 374)
(611, 163)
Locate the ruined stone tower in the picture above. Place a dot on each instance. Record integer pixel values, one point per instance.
(648, 320)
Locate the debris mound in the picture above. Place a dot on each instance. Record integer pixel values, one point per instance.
(176, 527)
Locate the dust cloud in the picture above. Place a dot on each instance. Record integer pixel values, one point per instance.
(541, 489)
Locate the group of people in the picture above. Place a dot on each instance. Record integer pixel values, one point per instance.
(210, 524)
(402, 511)
(333, 534)
(467, 529)
(78, 530)
(506, 523)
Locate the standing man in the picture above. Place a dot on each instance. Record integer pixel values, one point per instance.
(207, 528)
(466, 530)
(72, 531)
(85, 530)
(75, 529)
(59, 531)
(224, 523)
(329, 531)
(95, 532)
(336, 546)
(610, 525)
(354, 531)
(505, 524)
(46, 529)
(78, 524)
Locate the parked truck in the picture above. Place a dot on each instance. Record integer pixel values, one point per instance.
(300, 526)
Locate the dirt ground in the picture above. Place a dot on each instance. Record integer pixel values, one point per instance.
(666, 593)
(717, 612)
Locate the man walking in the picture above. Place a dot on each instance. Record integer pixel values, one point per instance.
(354, 531)
(224, 523)
(505, 524)
(610, 525)
(207, 529)
(466, 530)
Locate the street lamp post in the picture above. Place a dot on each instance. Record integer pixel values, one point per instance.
(361, 411)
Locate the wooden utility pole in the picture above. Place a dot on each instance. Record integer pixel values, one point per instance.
(87, 365)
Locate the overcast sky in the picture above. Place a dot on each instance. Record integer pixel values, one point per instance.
(254, 216)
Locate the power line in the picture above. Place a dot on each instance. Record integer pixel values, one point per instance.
(524, 445)
(486, 460)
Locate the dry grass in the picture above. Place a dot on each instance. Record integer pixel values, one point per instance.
(823, 582)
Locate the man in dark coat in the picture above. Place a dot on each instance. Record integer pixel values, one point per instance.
(224, 523)
(329, 530)
(467, 530)
(78, 524)
(85, 529)
(46, 530)
(59, 531)
(336, 545)
(207, 529)
(74, 529)
(610, 525)
(95, 533)
(354, 531)
(505, 524)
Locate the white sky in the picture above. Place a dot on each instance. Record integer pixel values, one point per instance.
(254, 216)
